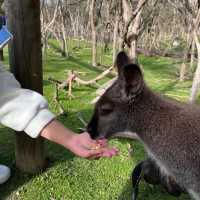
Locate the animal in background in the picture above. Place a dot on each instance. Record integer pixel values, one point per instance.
(168, 129)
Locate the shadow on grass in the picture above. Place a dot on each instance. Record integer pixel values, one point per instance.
(70, 63)
(88, 66)
(135, 154)
(55, 65)
(56, 154)
(55, 47)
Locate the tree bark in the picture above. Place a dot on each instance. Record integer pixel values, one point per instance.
(132, 24)
(183, 68)
(192, 55)
(94, 34)
(115, 36)
(196, 80)
(63, 33)
(26, 64)
(135, 32)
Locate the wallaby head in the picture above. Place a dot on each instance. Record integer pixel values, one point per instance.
(169, 130)
(113, 110)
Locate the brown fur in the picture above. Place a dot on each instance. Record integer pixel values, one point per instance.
(169, 130)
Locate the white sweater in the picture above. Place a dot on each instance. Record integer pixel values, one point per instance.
(22, 109)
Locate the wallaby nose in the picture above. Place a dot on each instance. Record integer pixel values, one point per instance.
(89, 129)
(91, 132)
(92, 129)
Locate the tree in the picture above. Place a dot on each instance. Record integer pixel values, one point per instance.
(190, 10)
(115, 36)
(63, 16)
(132, 19)
(196, 80)
(94, 33)
(26, 64)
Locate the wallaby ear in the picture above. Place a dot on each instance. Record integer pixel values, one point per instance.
(121, 60)
(133, 79)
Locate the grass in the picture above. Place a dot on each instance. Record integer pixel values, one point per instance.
(72, 178)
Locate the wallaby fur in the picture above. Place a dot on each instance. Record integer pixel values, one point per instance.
(169, 130)
(150, 172)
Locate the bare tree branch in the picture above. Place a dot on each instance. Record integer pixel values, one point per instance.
(140, 5)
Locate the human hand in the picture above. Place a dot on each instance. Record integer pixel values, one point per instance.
(82, 145)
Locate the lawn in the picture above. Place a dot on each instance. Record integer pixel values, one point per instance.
(72, 178)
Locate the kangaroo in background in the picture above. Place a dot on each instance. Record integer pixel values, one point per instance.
(169, 130)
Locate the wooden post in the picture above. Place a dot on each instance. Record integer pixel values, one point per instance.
(26, 64)
(1, 55)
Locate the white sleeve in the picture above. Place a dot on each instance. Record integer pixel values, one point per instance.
(22, 109)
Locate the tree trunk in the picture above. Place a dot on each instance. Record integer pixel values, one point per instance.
(183, 69)
(192, 56)
(133, 51)
(64, 40)
(94, 34)
(115, 36)
(26, 64)
(132, 24)
(64, 43)
(133, 42)
(196, 80)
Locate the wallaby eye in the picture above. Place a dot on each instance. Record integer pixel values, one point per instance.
(106, 109)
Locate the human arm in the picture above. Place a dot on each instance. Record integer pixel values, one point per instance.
(22, 109)
(26, 110)
(80, 144)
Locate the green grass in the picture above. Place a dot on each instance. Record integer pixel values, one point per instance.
(72, 178)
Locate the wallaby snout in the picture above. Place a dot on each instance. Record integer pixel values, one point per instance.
(92, 128)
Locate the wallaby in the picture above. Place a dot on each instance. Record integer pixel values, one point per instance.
(151, 173)
(169, 130)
